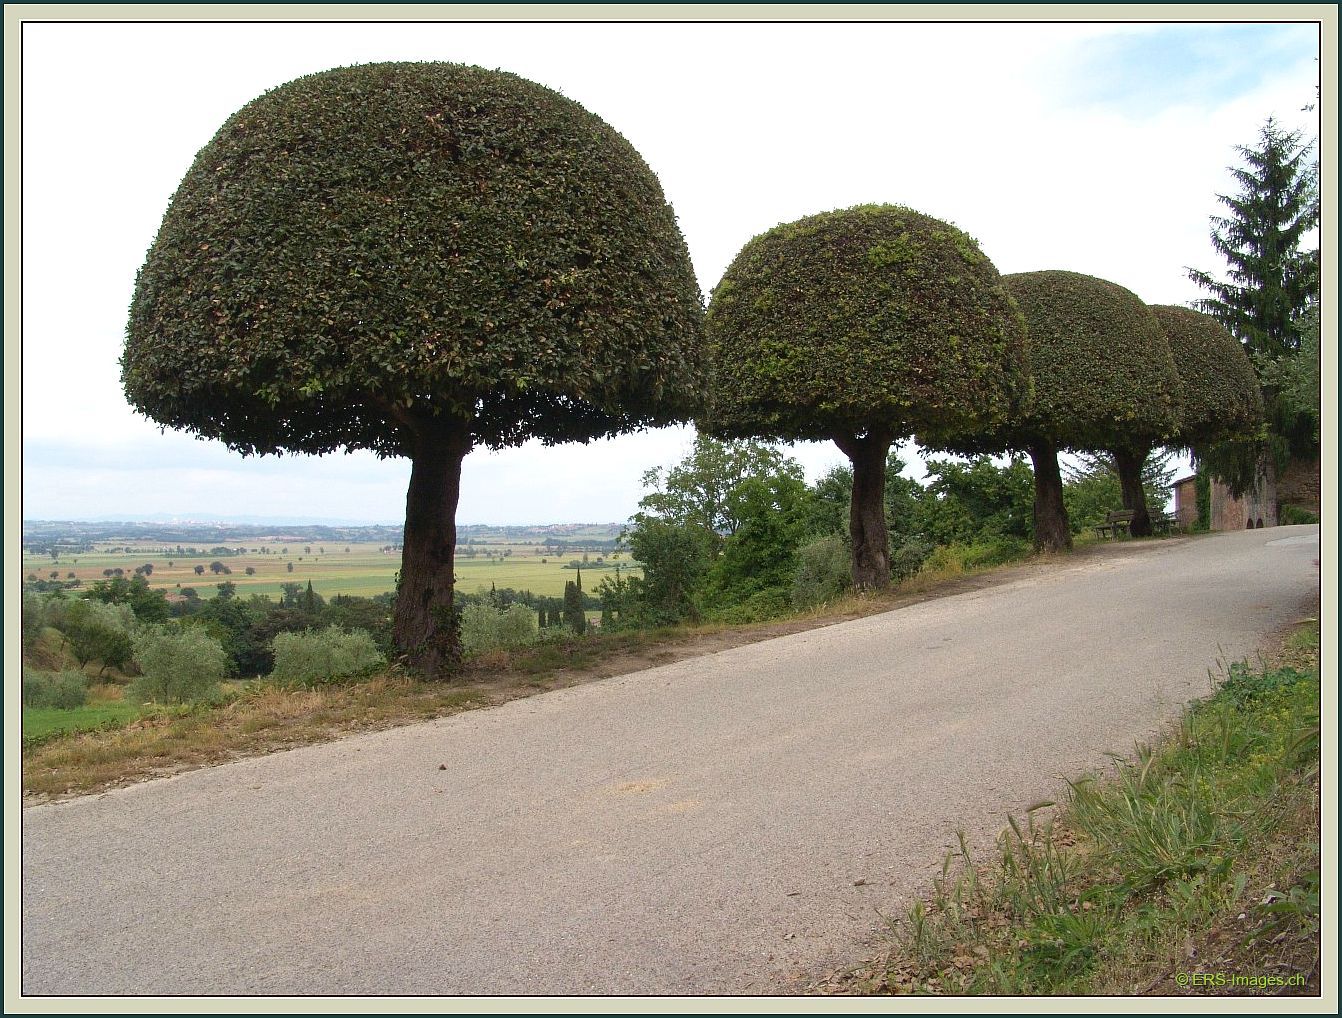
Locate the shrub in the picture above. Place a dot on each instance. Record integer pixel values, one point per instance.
(62, 690)
(995, 552)
(177, 665)
(760, 606)
(32, 618)
(953, 559)
(484, 628)
(1290, 515)
(823, 572)
(99, 632)
(315, 657)
(909, 558)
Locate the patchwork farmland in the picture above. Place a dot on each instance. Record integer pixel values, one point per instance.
(535, 559)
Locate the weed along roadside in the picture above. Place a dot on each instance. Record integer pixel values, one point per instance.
(1193, 868)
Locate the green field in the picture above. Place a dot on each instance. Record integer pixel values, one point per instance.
(363, 570)
(41, 721)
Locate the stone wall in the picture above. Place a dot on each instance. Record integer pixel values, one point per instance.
(1186, 502)
(1258, 508)
(1301, 485)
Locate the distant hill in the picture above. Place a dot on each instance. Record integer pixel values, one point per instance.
(44, 534)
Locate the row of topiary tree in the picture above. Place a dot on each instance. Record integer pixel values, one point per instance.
(422, 259)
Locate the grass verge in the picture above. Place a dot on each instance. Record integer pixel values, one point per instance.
(42, 723)
(1194, 869)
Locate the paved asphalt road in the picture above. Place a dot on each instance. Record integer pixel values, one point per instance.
(725, 824)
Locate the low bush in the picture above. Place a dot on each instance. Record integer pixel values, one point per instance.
(317, 657)
(61, 690)
(908, 559)
(485, 628)
(760, 606)
(995, 552)
(823, 572)
(1291, 515)
(953, 559)
(176, 665)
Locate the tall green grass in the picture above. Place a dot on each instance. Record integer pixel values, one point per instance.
(1137, 862)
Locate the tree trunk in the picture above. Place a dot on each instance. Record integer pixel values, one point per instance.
(1052, 529)
(866, 511)
(425, 626)
(1129, 466)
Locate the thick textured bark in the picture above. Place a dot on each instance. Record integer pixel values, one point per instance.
(866, 511)
(1134, 495)
(425, 627)
(1052, 529)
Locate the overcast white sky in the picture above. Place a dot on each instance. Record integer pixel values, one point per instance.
(1094, 148)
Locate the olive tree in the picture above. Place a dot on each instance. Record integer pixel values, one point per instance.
(415, 259)
(862, 326)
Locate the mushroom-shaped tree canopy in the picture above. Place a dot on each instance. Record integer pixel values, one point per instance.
(1218, 390)
(862, 326)
(415, 258)
(1102, 379)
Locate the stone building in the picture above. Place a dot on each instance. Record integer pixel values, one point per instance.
(1299, 485)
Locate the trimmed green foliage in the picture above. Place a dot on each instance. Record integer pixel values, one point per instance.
(59, 690)
(871, 318)
(1219, 394)
(414, 238)
(417, 259)
(177, 665)
(1100, 365)
(316, 657)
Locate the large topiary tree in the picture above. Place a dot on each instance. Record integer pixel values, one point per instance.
(415, 259)
(1102, 379)
(1219, 397)
(862, 326)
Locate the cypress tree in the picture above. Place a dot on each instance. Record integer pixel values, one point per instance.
(574, 617)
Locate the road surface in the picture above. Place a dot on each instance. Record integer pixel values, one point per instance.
(725, 824)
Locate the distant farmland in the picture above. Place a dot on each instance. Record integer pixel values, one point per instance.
(363, 569)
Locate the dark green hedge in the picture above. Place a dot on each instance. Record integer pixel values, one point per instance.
(1101, 369)
(1219, 394)
(874, 316)
(426, 236)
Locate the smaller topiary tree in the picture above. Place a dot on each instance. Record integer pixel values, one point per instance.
(1102, 379)
(1219, 397)
(862, 326)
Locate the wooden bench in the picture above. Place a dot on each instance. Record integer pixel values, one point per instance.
(1115, 522)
